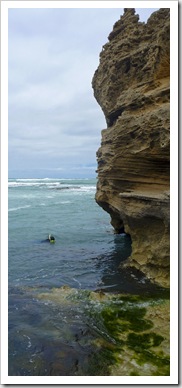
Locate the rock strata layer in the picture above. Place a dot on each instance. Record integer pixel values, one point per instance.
(132, 87)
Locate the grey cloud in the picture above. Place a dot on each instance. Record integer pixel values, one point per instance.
(54, 120)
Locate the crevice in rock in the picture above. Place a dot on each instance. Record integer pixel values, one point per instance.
(113, 116)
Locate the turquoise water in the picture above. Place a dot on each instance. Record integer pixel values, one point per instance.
(55, 337)
(84, 238)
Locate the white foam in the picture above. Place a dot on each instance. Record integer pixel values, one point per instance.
(29, 341)
(34, 182)
(13, 209)
(83, 189)
(51, 183)
(24, 184)
(62, 202)
(77, 281)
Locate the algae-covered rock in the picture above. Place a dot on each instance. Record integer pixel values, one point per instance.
(141, 332)
(99, 333)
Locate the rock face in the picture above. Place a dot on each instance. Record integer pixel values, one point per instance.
(132, 87)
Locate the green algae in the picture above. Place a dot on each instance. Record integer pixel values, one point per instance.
(131, 330)
(127, 318)
(143, 341)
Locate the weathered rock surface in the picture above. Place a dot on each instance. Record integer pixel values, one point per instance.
(132, 87)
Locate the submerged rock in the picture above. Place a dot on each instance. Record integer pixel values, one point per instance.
(132, 87)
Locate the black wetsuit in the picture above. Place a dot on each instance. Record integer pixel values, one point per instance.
(49, 239)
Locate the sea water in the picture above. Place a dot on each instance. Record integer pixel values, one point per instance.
(53, 320)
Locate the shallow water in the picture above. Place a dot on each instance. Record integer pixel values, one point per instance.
(55, 315)
(67, 332)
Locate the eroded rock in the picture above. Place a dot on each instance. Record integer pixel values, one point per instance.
(132, 87)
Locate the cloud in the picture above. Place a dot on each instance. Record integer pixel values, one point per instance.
(54, 121)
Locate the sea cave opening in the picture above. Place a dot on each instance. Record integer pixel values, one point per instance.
(116, 220)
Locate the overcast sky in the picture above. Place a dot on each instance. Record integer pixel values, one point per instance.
(55, 122)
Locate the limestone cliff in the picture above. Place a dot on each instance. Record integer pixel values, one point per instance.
(132, 87)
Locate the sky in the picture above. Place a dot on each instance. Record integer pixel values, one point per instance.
(54, 121)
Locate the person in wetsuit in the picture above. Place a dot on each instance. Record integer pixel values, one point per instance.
(51, 238)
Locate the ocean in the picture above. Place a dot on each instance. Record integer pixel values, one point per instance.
(57, 292)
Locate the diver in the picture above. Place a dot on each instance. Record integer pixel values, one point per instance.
(51, 238)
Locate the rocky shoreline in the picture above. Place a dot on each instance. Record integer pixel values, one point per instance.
(130, 332)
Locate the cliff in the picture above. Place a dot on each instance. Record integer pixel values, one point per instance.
(132, 87)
